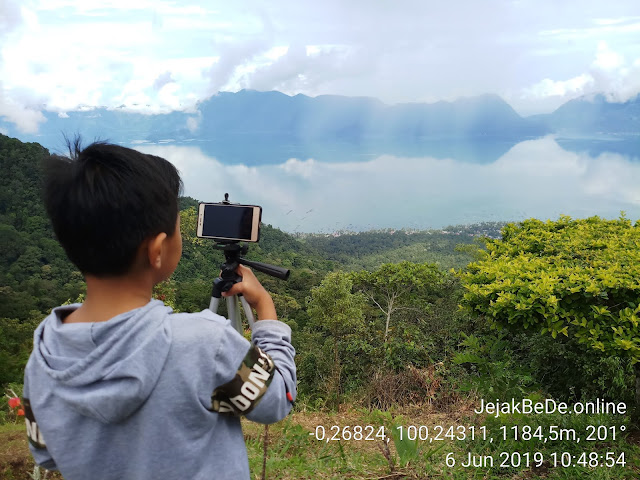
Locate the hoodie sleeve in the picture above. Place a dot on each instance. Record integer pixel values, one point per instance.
(254, 379)
(274, 338)
(37, 445)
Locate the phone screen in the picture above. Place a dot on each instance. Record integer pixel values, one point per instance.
(229, 222)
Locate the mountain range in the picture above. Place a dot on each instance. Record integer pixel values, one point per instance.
(275, 117)
(594, 116)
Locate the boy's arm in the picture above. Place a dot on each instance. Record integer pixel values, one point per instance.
(37, 445)
(273, 338)
(253, 379)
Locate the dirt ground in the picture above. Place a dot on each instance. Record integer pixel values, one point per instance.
(15, 459)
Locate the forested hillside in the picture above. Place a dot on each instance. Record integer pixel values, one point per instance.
(34, 271)
(451, 247)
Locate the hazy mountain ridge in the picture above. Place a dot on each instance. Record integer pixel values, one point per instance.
(295, 118)
(273, 118)
(356, 118)
(589, 116)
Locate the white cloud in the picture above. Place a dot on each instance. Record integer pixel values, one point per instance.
(607, 59)
(86, 6)
(617, 21)
(26, 119)
(561, 88)
(169, 96)
(193, 123)
(302, 168)
(11, 17)
(162, 79)
(68, 54)
(108, 52)
(238, 58)
(15, 110)
(610, 73)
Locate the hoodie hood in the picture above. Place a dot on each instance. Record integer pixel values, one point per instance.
(105, 370)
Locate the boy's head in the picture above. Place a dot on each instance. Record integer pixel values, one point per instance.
(105, 201)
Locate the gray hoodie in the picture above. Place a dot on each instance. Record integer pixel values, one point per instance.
(131, 398)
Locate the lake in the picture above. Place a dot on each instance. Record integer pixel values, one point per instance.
(333, 187)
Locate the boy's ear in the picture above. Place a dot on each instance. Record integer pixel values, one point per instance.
(154, 250)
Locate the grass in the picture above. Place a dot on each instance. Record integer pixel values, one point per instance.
(15, 458)
(294, 452)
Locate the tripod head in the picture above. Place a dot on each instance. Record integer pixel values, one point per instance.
(228, 277)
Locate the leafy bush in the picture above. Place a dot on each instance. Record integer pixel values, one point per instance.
(494, 370)
(573, 278)
(566, 277)
(569, 372)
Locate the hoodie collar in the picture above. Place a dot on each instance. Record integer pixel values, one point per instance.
(105, 369)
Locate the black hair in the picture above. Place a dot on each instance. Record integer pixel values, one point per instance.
(105, 200)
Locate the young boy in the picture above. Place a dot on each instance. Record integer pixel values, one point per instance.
(119, 387)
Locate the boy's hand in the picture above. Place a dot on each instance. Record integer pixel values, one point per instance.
(255, 294)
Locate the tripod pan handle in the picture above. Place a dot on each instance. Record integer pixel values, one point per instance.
(274, 271)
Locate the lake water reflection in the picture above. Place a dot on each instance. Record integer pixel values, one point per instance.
(534, 178)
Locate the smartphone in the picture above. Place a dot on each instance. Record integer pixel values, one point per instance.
(222, 221)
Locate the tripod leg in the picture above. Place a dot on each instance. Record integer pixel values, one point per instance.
(247, 311)
(213, 305)
(233, 314)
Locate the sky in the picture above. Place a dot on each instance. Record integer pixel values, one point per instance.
(156, 56)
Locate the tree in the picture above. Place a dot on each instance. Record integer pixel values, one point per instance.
(285, 304)
(577, 278)
(16, 342)
(396, 287)
(337, 314)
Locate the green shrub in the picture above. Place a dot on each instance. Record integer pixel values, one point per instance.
(494, 370)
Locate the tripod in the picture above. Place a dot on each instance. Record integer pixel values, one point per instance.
(228, 277)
